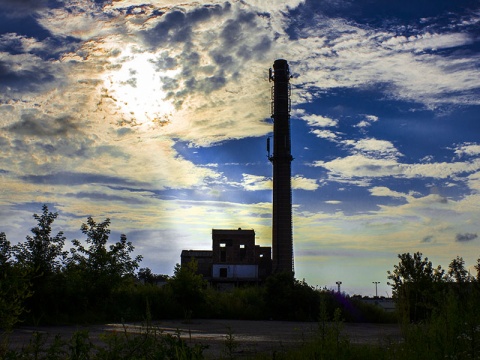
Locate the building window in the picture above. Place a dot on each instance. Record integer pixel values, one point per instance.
(223, 256)
(223, 272)
(243, 252)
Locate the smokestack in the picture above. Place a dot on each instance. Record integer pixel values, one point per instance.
(282, 238)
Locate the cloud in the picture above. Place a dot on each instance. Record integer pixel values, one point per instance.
(369, 119)
(468, 149)
(319, 121)
(359, 165)
(325, 134)
(83, 21)
(301, 183)
(22, 8)
(466, 237)
(406, 68)
(384, 191)
(427, 239)
(34, 124)
(373, 146)
(255, 183)
(26, 73)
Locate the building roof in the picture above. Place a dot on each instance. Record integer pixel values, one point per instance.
(230, 231)
(197, 253)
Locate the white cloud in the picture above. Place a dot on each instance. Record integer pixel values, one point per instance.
(319, 121)
(358, 165)
(255, 182)
(384, 191)
(369, 119)
(325, 134)
(427, 41)
(406, 68)
(301, 183)
(374, 147)
(468, 150)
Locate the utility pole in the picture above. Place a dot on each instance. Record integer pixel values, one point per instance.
(376, 283)
(338, 284)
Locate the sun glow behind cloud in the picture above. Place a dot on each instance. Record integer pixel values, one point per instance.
(136, 85)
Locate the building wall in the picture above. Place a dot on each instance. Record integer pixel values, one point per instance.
(234, 257)
(228, 271)
(233, 246)
(203, 259)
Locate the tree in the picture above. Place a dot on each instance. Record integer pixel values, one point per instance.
(5, 252)
(99, 268)
(457, 271)
(14, 288)
(146, 275)
(188, 287)
(415, 285)
(41, 257)
(477, 267)
(43, 252)
(290, 299)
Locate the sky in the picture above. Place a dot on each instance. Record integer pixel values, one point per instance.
(155, 114)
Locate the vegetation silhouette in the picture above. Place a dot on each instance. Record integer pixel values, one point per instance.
(96, 281)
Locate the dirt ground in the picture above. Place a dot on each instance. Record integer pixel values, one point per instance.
(250, 336)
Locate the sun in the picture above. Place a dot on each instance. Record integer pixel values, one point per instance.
(136, 85)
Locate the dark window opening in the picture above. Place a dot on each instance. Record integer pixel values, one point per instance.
(223, 272)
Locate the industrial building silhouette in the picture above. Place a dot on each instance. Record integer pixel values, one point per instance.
(234, 257)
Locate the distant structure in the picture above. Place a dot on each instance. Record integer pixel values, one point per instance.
(282, 234)
(233, 260)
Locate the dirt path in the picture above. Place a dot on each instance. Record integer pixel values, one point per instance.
(250, 336)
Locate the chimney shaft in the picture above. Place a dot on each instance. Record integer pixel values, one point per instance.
(282, 237)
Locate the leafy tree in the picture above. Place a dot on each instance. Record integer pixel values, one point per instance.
(457, 271)
(148, 277)
(415, 285)
(97, 268)
(42, 252)
(14, 287)
(5, 252)
(290, 299)
(41, 256)
(188, 287)
(477, 267)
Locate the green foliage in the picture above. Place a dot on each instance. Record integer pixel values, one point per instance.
(448, 304)
(246, 303)
(43, 252)
(14, 290)
(188, 288)
(96, 270)
(150, 344)
(287, 298)
(415, 286)
(230, 344)
(41, 257)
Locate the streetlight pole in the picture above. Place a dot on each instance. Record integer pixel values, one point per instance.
(376, 283)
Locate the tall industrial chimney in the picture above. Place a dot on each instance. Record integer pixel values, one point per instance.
(282, 238)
